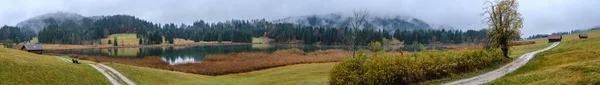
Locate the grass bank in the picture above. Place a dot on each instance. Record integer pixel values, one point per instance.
(23, 68)
(301, 74)
(574, 61)
(17, 67)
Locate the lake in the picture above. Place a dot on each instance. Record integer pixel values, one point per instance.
(187, 54)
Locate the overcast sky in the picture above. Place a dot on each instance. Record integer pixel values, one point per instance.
(540, 16)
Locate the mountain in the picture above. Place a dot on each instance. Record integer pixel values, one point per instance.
(380, 22)
(389, 23)
(38, 23)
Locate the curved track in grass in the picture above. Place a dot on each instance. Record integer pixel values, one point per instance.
(510, 67)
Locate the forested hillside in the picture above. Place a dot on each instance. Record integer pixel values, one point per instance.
(67, 28)
(388, 23)
(36, 24)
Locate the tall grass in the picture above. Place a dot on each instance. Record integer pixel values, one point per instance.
(421, 66)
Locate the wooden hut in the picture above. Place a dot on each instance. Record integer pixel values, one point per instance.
(33, 48)
(554, 38)
(581, 36)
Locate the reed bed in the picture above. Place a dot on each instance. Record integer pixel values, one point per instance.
(234, 62)
(246, 62)
(463, 47)
(517, 43)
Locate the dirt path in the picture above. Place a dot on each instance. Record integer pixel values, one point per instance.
(129, 82)
(103, 71)
(510, 67)
(113, 75)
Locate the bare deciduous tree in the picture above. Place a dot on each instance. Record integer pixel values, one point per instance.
(359, 19)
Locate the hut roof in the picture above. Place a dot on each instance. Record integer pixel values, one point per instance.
(554, 37)
(33, 46)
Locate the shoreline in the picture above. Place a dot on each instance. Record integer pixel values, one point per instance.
(72, 47)
(104, 46)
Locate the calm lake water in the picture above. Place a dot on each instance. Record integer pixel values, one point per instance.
(187, 54)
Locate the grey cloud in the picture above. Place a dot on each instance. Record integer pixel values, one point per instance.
(541, 16)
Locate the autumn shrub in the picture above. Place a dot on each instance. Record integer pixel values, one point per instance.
(375, 46)
(379, 68)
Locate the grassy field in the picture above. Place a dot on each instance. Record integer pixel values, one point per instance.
(261, 40)
(123, 39)
(574, 61)
(23, 68)
(34, 41)
(307, 74)
(131, 39)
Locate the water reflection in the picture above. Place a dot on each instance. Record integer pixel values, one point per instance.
(180, 60)
(190, 54)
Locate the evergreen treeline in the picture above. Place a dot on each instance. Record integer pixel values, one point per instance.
(234, 30)
(440, 36)
(68, 32)
(88, 31)
(285, 32)
(11, 34)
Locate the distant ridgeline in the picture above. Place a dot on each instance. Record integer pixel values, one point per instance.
(68, 28)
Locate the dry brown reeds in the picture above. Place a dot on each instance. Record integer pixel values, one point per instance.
(233, 62)
(246, 62)
(517, 43)
(463, 47)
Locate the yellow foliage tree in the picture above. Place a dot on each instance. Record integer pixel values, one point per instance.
(504, 23)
